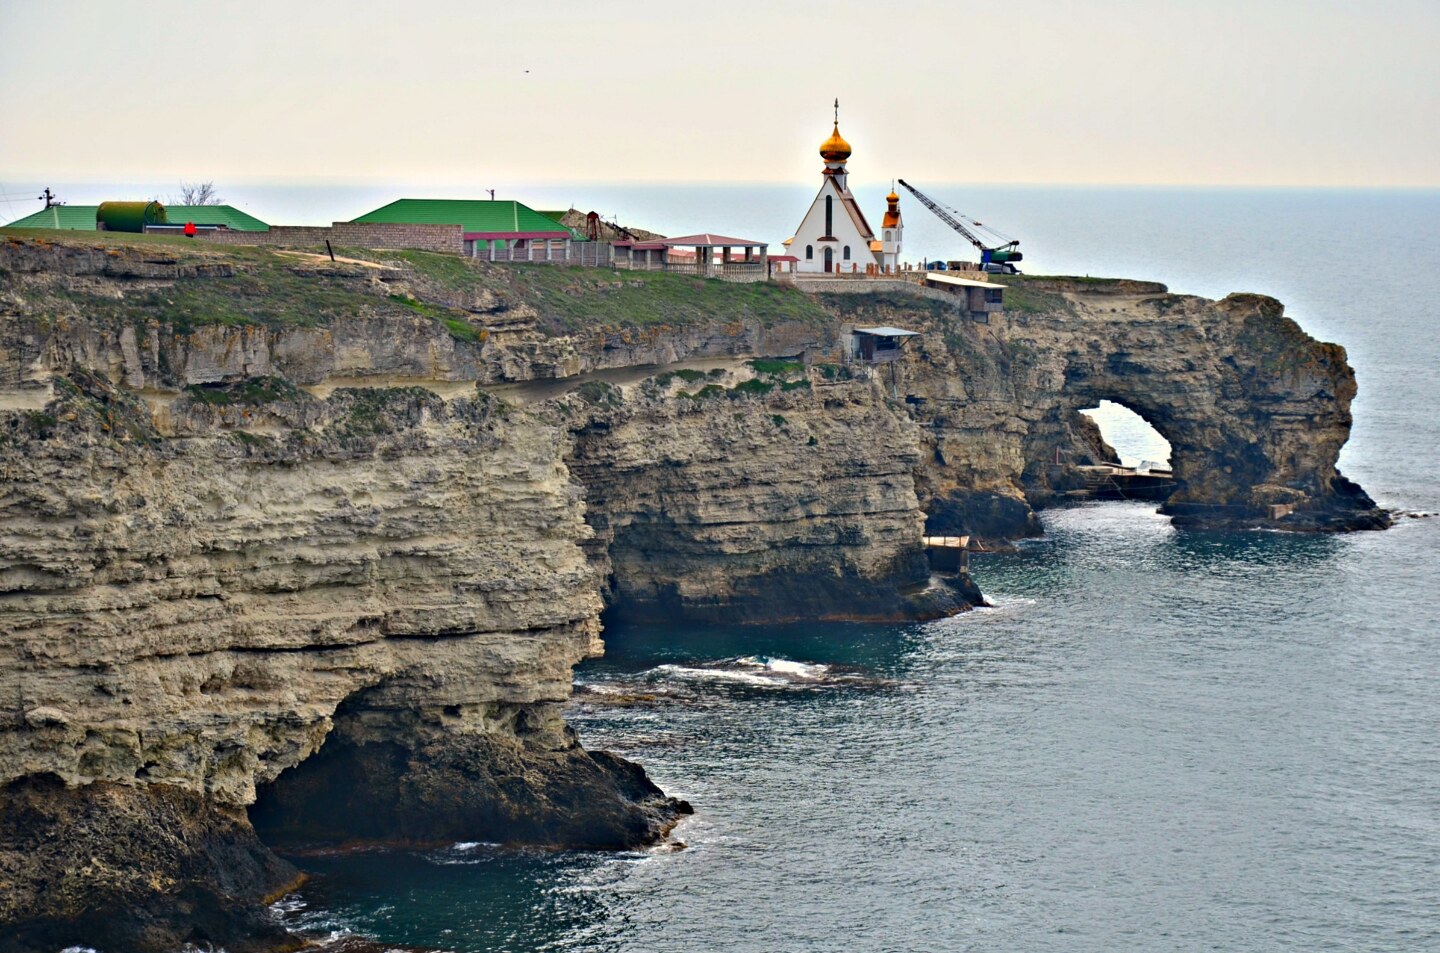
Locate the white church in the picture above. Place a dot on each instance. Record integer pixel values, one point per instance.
(834, 237)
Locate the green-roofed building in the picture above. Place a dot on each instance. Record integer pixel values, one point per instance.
(82, 218)
(487, 223)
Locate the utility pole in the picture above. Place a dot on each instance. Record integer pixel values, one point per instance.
(50, 198)
(492, 194)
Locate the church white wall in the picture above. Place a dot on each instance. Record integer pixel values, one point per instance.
(812, 228)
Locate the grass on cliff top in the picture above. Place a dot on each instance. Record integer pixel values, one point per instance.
(70, 236)
(570, 299)
(275, 289)
(266, 288)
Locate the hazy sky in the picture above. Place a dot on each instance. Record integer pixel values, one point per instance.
(1259, 92)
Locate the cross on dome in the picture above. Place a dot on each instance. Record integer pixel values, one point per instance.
(835, 149)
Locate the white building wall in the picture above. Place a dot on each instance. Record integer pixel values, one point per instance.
(892, 241)
(846, 232)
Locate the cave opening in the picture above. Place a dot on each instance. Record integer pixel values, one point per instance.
(1118, 454)
(1134, 439)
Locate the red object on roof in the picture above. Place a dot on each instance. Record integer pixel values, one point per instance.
(707, 239)
(490, 236)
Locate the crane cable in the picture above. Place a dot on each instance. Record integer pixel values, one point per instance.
(1004, 239)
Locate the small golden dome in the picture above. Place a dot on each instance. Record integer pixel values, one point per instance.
(835, 149)
(892, 198)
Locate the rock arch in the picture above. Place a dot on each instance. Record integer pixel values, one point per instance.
(1255, 410)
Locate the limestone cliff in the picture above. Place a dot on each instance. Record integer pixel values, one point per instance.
(297, 561)
(746, 497)
(280, 534)
(382, 572)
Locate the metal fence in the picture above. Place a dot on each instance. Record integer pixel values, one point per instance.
(587, 254)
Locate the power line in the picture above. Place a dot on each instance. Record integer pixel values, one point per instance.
(6, 198)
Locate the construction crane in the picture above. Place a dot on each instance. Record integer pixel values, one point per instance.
(995, 257)
(593, 221)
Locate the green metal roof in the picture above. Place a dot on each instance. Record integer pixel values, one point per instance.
(471, 215)
(227, 215)
(82, 217)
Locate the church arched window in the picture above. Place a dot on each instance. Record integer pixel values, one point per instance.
(829, 215)
(888, 233)
(846, 253)
(809, 252)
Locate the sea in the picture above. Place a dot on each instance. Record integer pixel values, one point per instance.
(1154, 740)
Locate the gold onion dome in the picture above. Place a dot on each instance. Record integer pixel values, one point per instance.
(892, 198)
(835, 149)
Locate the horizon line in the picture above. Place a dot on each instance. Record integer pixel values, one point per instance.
(7, 179)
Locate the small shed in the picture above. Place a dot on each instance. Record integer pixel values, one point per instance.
(979, 298)
(641, 255)
(782, 264)
(878, 345)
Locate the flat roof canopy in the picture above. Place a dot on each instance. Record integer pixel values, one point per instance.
(967, 282)
(887, 332)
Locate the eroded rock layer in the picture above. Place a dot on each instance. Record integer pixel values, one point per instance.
(798, 506)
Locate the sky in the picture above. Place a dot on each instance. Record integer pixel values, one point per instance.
(1308, 93)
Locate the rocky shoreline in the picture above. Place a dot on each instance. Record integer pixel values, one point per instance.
(303, 554)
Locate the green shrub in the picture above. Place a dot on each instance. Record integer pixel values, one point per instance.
(765, 365)
(686, 374)
(598, 393)
(753, 387)
(460, 330)
(251, 392)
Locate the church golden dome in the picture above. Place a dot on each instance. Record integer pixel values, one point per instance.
(892, 198)
(835, 149)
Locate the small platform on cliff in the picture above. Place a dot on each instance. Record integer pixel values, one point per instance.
(1113, 482)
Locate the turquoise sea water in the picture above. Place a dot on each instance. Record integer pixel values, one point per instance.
(1155, 741)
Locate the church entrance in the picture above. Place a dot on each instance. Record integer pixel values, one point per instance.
(829, 259)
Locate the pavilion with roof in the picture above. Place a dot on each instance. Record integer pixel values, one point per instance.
(705, 254)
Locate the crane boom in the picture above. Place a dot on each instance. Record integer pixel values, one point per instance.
(943, 215)
(999, 254)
